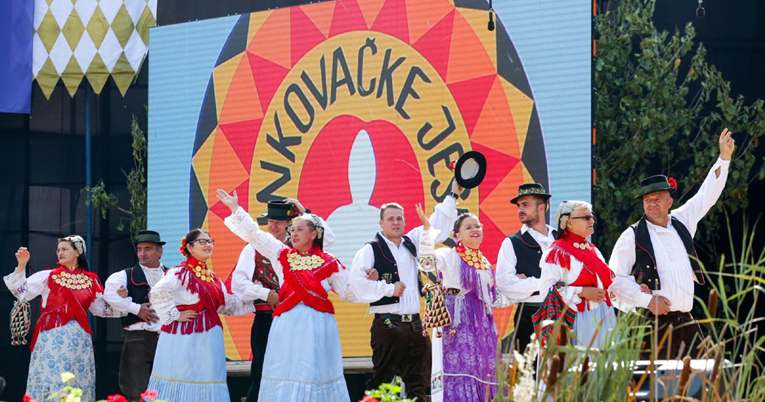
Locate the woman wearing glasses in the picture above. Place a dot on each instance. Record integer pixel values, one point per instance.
(469, 345)
(190, 363)
(575, 269)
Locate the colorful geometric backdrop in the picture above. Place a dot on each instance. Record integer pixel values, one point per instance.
(349, 104)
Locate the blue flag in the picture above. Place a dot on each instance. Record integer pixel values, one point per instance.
(16, 33)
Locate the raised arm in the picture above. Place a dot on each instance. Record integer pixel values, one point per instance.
(21, 287)
(442, 219)
(694, 210)
(242, 225)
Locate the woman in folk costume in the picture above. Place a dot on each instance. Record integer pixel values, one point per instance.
(577, 266)
(190, 362)
(469, 344)
(62, 338)
(303, 360)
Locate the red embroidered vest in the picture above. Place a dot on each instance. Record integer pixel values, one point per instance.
(302, 282)
(211, 297)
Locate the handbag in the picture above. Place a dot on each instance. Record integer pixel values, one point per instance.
(436, 314)
(20, 322)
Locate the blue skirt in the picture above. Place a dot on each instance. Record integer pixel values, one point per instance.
(59, 350)
(303, 359)
(587, 322)
(190, 368)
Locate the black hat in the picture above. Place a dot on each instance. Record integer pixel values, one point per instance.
(531, 189)
(148, 236)
(280, 210)
(470, 169)
(656, 183)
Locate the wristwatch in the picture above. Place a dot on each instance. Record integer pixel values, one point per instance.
(455, 195)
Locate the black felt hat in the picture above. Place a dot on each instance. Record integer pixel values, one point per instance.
(470, 169)
(656, 183)
(531, 189)
(149, 236)
(280, 210)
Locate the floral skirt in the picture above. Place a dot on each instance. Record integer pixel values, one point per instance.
(190, 368)
(468, 357)
(63, 349)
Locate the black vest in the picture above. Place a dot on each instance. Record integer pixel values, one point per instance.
(527, 253)
(644, 269)
(138, 289)
(386, 265)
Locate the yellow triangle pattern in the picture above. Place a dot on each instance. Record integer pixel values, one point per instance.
(201, 163)
(521, 106)
(222, 76)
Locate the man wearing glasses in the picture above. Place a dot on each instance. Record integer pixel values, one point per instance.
(658, 254)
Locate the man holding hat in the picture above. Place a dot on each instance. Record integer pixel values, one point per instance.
(518, 269)
(141, 323)
(254, 279)
(658, 253)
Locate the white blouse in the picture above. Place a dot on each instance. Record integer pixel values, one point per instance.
(26, 289)
(170, 292)
(242, 225)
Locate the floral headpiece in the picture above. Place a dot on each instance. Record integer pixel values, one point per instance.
(183, 248)
(672, 182)
(77, 241)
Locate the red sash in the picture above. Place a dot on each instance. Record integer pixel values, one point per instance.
(211, 297)
(305, 285)
(563, 249)
(65, 304)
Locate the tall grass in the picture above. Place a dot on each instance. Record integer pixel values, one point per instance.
(732, 345)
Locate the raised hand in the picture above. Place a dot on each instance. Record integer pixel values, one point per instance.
(456, 188)
(231, 201)
(297, 204)
(423, 218)
(727, 145)
(22, 257)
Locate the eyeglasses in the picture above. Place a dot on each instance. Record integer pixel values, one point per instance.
(586, 217)
(204, 242)
(473, 227)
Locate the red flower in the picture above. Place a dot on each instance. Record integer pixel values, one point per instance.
(370, 399)
(672, 182)
(149, 395)
(28, 398)
(451, 164)
(183, 248)
(116, 398)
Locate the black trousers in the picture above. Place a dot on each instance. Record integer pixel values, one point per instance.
(136, 362)
(686, 336)
(401, 349)
(261, 326)
(523, 327)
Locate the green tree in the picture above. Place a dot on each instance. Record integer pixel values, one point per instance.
(659, 109)
(136, 186)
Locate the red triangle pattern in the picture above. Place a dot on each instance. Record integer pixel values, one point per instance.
(347, 18)
(268, 76)
(243, 190)
(471, 96)
(500, 166)
(242, 136)
(434, 45)
(305, 34)
(392, 20)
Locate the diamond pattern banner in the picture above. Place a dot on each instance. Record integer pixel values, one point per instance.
(90, 38)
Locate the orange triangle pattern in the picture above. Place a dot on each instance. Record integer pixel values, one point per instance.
(201, 162)
(495, 204)
(242, 101)
(467, 57)
(521, 106)
(495, 124)
(424, 15)
(222, 76)
(272, 41)
(370, 9)
(226, 171)
(321, 15)
(477, 20)
(256, 21)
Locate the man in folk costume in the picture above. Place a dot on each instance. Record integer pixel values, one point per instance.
(127, 291)
(399, 345)
(518, 272)
(658, 253)
(254, 279)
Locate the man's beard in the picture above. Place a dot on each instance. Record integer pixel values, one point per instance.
(529, 220)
